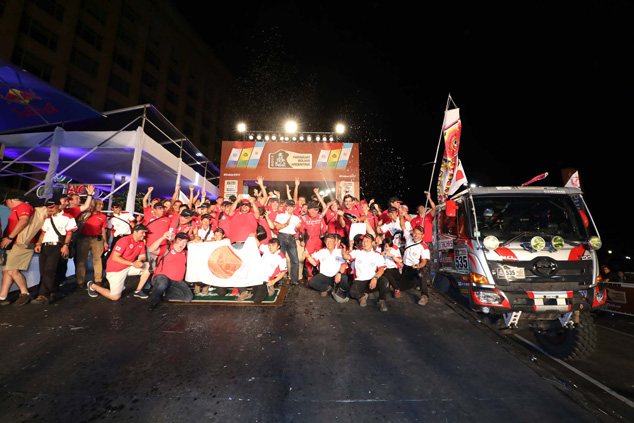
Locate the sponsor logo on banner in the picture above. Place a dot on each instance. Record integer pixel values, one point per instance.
(283, 159)
(231, 187)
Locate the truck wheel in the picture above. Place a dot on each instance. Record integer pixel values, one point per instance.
(571, 344)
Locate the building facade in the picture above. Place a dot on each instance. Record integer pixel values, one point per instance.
(112, 54)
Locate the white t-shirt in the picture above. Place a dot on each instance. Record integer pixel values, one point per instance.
(416, 253)
(282, 218)
(357, 228)
(118, 223)
(63, 222)
(329, 263)
(394, 229)
(366, 264)
(201, 232)
(274, 264)
(389, 261)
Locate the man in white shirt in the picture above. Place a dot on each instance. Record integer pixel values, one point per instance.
(287, 225)
(332, 267)
(415, 256)
(52, 246)
(369, 266)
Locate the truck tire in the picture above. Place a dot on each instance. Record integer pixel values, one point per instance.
(571, 344)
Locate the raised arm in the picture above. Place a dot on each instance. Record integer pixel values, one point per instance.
(90, 192)
(177, 190)
(146, 197)
(265, 196)
(295, 190)
(320, 199)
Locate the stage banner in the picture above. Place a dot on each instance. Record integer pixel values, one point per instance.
(451, 131)
(219, 263)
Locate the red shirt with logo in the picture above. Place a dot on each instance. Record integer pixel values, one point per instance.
(173, 265)
(94, 224)
(242, 224)
(22, 209)
(129, 249)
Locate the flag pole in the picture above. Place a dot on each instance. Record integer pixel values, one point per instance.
(442, 127)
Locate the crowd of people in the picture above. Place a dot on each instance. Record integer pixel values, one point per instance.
(340, 246)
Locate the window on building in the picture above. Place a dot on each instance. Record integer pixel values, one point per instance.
(33, 64)
(51, 7)
(171, 97)
(190, 110)
(87, 34)
(122, 60)
(149, 80)
(95, 10)
(78, 90)
(153, 59)
(84, 62)
(119, 84)
(174, 77)
(38, 32)
(129, 13)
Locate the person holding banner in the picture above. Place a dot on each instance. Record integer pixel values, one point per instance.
(171, 264)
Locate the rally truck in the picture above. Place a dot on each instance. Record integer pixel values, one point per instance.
(523, 257)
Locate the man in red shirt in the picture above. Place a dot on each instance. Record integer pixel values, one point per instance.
(183, 222)
(92, 239)
(169, 275)
(244, 221)
(314, 227)
(18, 257)
(127, 259)
(157, 223)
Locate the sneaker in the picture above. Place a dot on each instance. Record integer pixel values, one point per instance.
(397, 293)
(41, 299)
(91, 292)
(5, 302)
(23, 299)
(363, 301)
(141, 294)
(244, 296)
(340, 296)
(423, 300)
(382, 305)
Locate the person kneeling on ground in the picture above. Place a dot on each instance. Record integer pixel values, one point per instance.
(274, 269)
(368, 273)
(127, 259)
(332, 268)
(169, 274)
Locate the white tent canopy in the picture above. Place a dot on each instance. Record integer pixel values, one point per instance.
(137, 147)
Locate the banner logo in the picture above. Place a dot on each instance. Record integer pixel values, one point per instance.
(283, 159)
(20, 97)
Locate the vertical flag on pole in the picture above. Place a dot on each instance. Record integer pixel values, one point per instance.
(344, 156)
(235, 154)
(255, 155)
(326, 153)
(245, 155)
(452, 127)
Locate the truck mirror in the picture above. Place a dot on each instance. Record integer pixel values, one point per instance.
(450, 208)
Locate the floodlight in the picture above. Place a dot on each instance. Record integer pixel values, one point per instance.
(291, 127)
(242, 127)
(340, 128)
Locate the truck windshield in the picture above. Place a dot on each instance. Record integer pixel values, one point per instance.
(506, 217)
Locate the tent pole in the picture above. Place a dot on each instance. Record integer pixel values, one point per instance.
(126, 182)
(112, 185)
(53, 159)
(39, 144)
(136, 163)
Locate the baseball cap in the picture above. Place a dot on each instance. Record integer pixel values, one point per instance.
(313, 205)
(140, 228)
(205, 205)
(244, 201)
(362, 202)
(52, 202)
(186, 213)
(181, 235)
(158, 205)
(392, 209)
(368, 235)
(227, 203)
(394, 200)
(290, 203)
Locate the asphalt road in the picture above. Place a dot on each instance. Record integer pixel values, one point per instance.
(311, 360)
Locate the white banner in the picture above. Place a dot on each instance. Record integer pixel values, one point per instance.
(218, 263)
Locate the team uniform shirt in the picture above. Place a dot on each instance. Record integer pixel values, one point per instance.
(389, 261)
(427, 224)
(64, 223)
(394, 231)
(332, 223)
(206, 234)
(73, 211)
(94, 224)
(282, 218)
(120, 224)
(181, 227)
(22, 209)
(329, 263)
(373, 220)
(129, 249)
(415, 254)
(366, 264)
(242, 225)
(274, 264)
(315, 227)
(224, 223)
(173, 265)
(156, 227)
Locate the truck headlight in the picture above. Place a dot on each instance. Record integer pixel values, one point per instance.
(487, 297)
(538, 243)
(557, 242)
(491, 243)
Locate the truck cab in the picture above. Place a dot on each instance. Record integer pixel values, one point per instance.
(522, 256)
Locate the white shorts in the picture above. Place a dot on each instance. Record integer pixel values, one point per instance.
(117, 279)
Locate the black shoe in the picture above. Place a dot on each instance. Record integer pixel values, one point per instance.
(153, 307)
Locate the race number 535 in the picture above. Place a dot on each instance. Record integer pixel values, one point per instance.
(461, 260)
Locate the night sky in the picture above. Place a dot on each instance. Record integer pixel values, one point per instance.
(540, 89)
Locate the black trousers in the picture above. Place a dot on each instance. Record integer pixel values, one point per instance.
(50, 257)
(411, 278)
(393, 276)
(359, 288)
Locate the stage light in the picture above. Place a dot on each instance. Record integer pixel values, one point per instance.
(274, 137)
(266, 137)
(340, 128)
(250, 137)
(331, 139)
(291, 127)
(317, 138)
(309, 138)
(242, 127)
(294, 138)
(301, 138)
(259, 137)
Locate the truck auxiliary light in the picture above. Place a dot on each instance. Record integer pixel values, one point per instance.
(595, 243)
(557, 242)
(478, 278)
(538, 243)
(491, 243)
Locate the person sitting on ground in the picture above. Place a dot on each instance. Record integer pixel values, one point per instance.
(393, 263)
(171, 265)
(128, 258)
(368, 273)
(332, 270)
